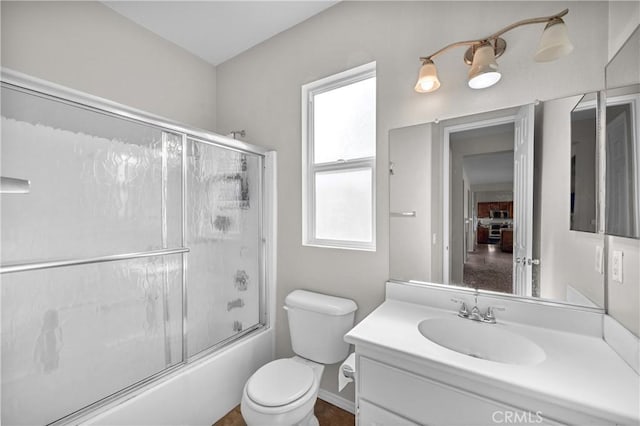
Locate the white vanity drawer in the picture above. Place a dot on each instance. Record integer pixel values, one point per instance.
(372, 415)
(428, 402)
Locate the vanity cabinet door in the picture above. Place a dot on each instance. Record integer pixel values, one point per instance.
(429, 402)
(371, 415)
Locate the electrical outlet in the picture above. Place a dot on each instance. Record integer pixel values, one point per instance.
(616, 266)
(599, 259)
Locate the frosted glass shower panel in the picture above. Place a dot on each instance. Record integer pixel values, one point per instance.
(96, 182)
(74, 335)
(172, 189)
(223, 233)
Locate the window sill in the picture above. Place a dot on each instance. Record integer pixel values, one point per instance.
(369, 248)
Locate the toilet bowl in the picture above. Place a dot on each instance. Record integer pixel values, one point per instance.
(284, 391)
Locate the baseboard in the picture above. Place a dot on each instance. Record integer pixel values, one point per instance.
(338, 401)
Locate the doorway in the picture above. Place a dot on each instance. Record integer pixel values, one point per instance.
(482, 207)
(487, 204)
(488, 215)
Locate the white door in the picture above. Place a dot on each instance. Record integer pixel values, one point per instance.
(523, 205)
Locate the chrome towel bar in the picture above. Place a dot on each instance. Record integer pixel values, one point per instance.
(6, 269)
(403, 214)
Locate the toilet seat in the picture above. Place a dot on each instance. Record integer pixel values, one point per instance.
(279, 383)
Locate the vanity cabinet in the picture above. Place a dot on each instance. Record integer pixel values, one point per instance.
(390, 395)
(483, 234)
(372, 415)
(563, 371)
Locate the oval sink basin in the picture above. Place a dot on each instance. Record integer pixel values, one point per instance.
(480, 340)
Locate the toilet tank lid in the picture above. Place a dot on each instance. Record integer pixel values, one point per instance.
(321, 303)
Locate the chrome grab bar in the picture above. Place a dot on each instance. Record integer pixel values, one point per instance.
(21, 267)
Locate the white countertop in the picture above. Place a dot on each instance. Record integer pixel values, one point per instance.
(581, 372)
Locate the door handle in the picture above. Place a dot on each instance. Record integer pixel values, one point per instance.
(527, 261)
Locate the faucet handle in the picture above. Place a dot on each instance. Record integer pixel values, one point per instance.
(489, 316)
(462, 312)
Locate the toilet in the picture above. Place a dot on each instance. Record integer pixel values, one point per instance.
(284, 391)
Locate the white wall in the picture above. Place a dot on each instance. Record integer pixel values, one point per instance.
(624, 17)
(91, 48)
(260, 91)
(624, 298)
(502, 192)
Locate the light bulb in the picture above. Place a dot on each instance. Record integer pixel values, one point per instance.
(428, 77)
(554, 42)
(484, 69)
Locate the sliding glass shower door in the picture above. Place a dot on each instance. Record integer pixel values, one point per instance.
(224, 236)
(99, 291)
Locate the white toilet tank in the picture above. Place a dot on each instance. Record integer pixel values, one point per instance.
(318, 323)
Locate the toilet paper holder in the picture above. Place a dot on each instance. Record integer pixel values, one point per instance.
(348, 372)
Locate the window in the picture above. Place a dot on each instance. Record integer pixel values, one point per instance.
(339, 155)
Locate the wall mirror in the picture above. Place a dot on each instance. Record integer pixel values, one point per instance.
(483, 202)
(584, 148)
(622, 217)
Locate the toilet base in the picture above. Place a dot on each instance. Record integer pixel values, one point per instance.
(297, 414)
(310, 420)
(252, 420)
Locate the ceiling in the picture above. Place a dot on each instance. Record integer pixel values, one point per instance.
(492, 168)
(218, 30)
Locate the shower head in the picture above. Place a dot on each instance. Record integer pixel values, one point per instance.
(235, 133)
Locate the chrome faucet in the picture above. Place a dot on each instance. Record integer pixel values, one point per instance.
(475, 314)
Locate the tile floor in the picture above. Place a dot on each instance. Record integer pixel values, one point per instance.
(327, 414)
(489, 268)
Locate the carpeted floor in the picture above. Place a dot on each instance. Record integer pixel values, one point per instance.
(489, 268)
(327, 414)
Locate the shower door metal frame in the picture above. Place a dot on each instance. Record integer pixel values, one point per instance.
(42, 88)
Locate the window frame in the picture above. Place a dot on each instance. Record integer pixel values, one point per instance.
(310, 168)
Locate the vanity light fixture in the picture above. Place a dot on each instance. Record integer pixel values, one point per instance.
(428, 78)
(482, 53)
(484, 69)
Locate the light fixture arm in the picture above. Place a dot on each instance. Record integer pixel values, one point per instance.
(496, 35)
